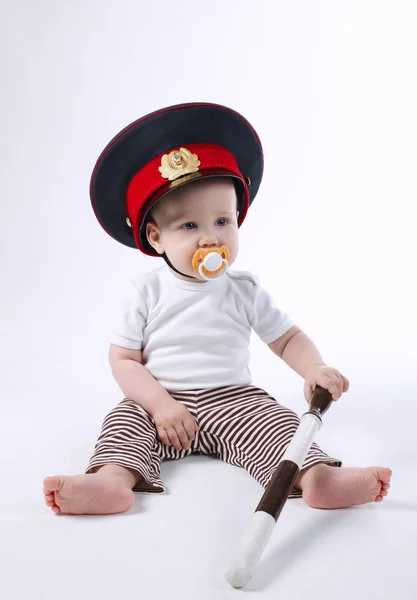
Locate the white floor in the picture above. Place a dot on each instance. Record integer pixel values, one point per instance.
(177, 544)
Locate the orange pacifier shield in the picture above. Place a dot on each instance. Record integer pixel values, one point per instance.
(211, 261)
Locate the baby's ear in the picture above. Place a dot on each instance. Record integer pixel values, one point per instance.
(153, 235)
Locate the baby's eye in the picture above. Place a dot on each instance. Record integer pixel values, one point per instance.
(223, 222)
(189, 223)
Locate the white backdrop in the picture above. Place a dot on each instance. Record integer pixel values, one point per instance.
(330, 87)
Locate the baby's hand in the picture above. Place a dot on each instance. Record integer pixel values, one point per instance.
(175, 425)
(328, 378)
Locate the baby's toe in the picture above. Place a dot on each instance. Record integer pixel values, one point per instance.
(51, 484)
(384, 474)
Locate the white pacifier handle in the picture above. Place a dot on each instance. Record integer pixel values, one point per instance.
(212, 262)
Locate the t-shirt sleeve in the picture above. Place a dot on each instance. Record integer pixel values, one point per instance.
(129, 325)
(267, 320)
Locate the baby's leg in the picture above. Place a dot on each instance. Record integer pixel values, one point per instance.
(127, 455)
(106, 491)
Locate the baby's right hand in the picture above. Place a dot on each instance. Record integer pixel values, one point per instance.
(175, 425)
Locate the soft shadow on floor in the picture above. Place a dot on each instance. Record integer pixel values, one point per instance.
(393, 504)
(275, 565)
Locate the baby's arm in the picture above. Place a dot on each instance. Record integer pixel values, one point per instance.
(135, 381)
(174, 423)
(299, 352)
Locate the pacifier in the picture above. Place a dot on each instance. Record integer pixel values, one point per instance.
(211, 261)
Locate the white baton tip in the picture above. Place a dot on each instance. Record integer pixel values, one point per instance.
(238, 573)
(249, 551)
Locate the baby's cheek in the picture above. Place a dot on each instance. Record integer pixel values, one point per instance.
(234, 246)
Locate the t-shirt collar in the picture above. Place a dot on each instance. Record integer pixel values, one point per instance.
(193, 285)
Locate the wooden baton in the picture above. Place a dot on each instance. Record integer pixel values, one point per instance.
(252, 544)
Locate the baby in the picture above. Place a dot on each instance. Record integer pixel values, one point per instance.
(180, 350)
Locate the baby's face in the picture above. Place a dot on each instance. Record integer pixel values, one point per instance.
(202, 214)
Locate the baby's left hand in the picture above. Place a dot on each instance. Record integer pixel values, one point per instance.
(328, 378)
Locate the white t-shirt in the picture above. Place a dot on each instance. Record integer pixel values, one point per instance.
(196, 335)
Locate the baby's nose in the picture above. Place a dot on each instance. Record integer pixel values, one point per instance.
(208, 241)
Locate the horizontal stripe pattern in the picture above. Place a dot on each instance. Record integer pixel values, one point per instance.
(241, 425)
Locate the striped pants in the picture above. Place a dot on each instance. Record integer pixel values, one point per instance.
(242, 425)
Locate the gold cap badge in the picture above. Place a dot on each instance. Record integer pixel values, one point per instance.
(178, 163)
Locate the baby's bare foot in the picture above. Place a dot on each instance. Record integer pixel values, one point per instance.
(324, 486)
(92, 494)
